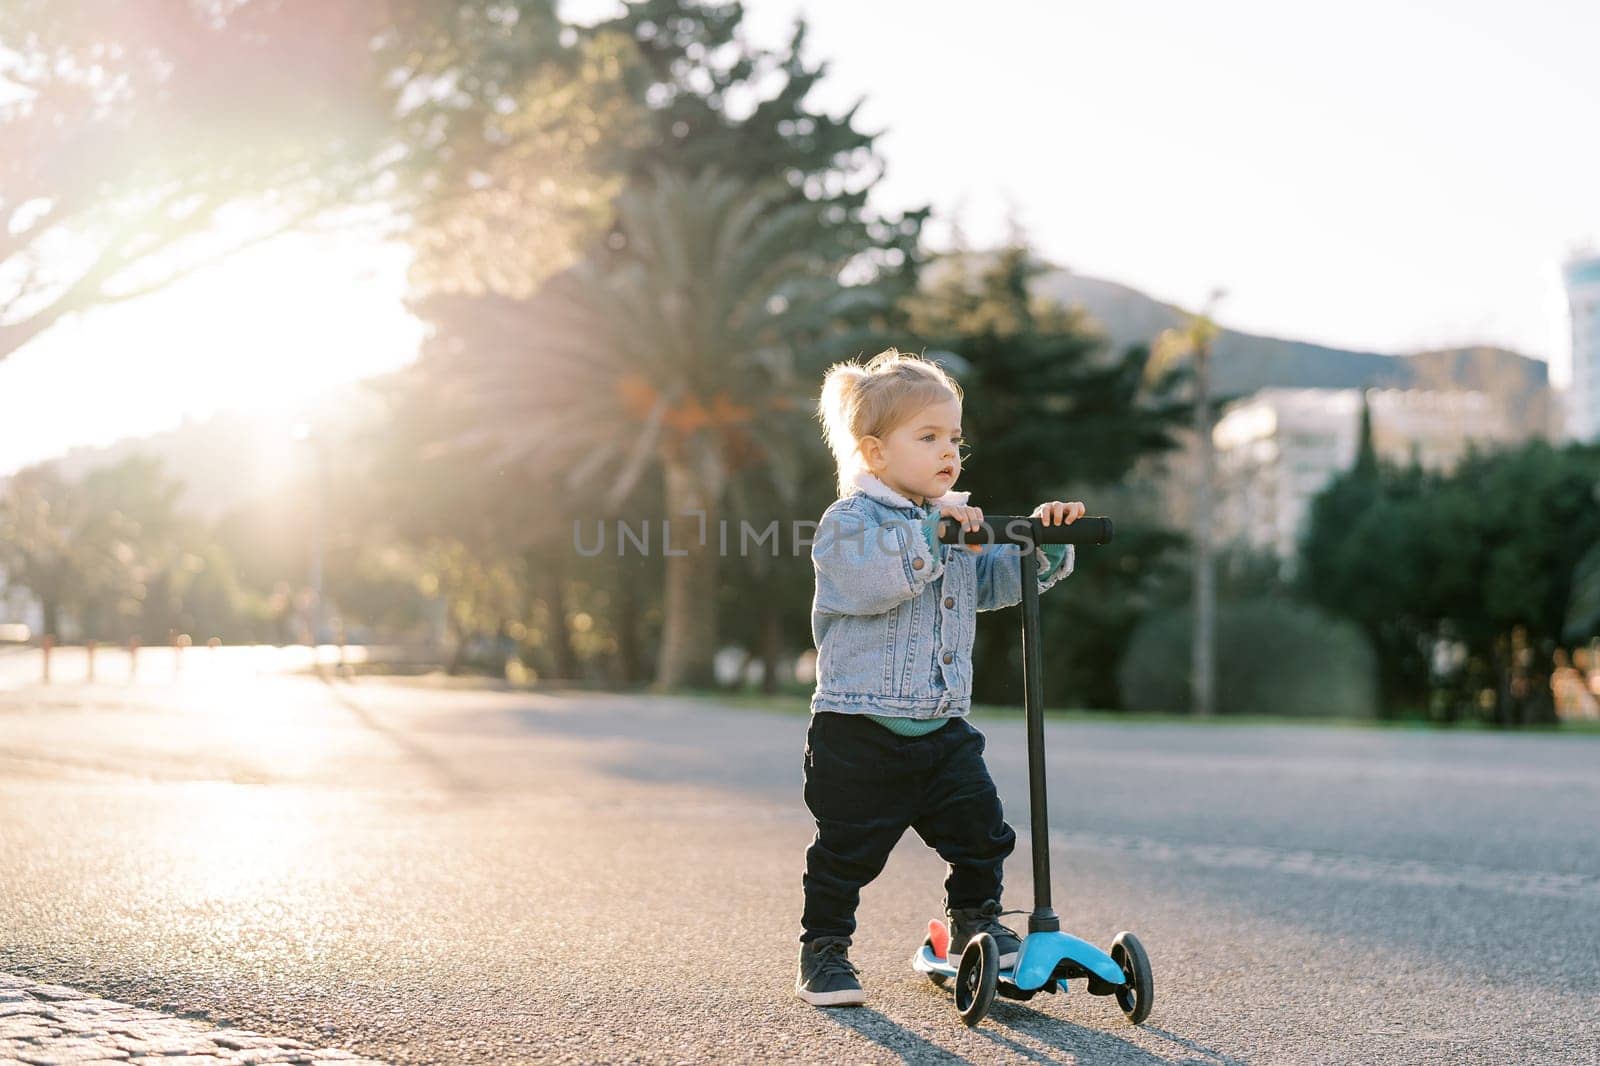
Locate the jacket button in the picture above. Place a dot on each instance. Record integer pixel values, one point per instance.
(949, 601)
(916, 564)
(949, 657)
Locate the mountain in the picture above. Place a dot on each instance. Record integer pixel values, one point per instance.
(1244, 362)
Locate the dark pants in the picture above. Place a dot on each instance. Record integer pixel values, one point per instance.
(865, 786)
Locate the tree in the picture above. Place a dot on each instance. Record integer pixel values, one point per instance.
(712, 100)
(136, 550)
(679, 359)
(704, 97)
(1525, 518)
(1359, 557)
(38, 552)
(145, 141)
(107, 555)
(1486, 559)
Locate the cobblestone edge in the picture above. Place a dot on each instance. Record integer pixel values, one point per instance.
(50, 1025)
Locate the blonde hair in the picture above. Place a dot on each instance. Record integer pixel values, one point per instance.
(872, 400)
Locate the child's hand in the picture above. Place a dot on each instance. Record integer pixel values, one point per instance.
(966, 517)
(1056, 512)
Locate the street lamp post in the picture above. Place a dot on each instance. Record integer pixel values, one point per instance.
(1194, 342)
(1205, 601)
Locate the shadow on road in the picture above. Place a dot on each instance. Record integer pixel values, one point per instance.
(447, 776)
(1021, 1029)
(891, 1035)
(1031, 1036)
(1206, 1055)
(653, 741)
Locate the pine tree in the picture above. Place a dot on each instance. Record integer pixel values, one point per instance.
(709, 103)
(1366, 465)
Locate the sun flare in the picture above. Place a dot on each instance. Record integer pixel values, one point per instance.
(265, 330)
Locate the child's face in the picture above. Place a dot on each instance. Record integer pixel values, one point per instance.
(920, 458)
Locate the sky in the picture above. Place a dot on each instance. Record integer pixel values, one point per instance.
(1369, 174)
(1378, 176)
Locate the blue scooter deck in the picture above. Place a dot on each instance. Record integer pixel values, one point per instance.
(1036, 963)
(926, 961)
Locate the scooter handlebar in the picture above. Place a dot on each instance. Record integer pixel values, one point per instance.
(1024, 529)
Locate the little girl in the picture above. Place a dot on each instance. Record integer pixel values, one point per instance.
(889, 746)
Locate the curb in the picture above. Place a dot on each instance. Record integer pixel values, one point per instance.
(51, 1025)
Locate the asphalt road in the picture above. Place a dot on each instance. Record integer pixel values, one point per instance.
(453, 875)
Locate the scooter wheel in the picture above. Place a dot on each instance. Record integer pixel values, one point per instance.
(976, 978)
(937, 978)
(1138, 995)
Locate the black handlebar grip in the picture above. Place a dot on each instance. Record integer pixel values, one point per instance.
(1017, 529)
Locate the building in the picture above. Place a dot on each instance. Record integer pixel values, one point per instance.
(1274, 451)
(1278, 448)
(1583, 390)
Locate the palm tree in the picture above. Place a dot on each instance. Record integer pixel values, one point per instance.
(684, 350)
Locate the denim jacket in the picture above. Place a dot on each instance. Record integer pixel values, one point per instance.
(893, 622)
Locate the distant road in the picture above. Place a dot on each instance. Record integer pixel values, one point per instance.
(434, 874)
(22, 666)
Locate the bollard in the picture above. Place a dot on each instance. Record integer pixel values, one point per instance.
(179, 642)
(88, 660)
(48, 642)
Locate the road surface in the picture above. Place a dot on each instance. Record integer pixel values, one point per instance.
(423, 873)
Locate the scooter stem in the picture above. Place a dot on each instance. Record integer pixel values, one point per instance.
(1043, 919)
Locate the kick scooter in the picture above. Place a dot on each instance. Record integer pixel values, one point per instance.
(1049, 958)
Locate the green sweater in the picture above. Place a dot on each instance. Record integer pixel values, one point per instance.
(916, 727)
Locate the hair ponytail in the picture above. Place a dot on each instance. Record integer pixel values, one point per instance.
(841, 390)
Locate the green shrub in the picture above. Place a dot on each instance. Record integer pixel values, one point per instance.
(1273, 657)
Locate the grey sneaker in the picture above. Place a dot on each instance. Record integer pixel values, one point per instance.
(967, 922)
(827, 976)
